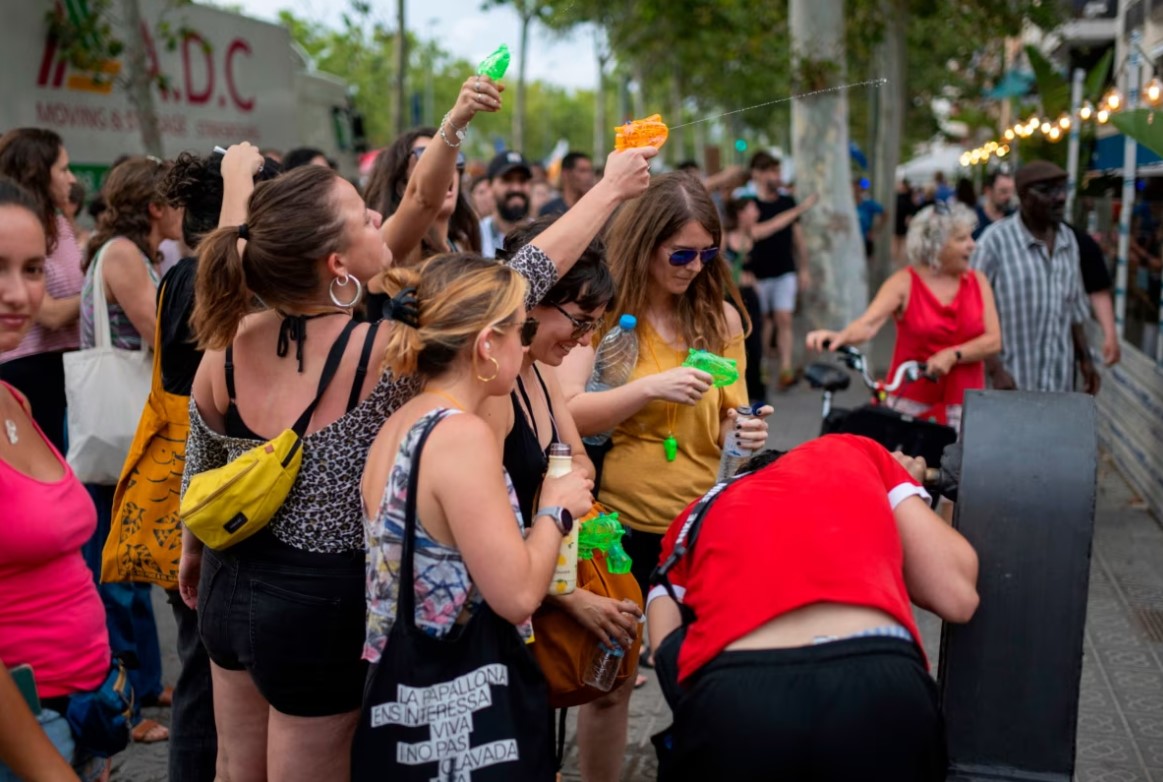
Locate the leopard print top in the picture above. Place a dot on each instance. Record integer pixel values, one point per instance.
(322, 512)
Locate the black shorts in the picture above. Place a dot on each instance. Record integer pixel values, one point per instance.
(859, 709)
(292, 619)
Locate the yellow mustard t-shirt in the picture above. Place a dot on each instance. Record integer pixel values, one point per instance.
(637, 481)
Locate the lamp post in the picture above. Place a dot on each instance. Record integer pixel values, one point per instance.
(1072, 150)
(1130, 165)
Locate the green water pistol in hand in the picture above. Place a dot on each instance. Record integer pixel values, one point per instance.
(724, 370)
(495, 65)
(604, 534)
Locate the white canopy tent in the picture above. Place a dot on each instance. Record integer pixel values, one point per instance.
(944, 158)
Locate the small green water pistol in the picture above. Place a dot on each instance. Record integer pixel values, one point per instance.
(495, 65)
(604, 533)
(724, 370)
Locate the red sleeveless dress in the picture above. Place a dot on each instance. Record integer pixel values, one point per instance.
(927, 326)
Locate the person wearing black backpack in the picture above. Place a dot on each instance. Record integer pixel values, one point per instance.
(787, 645)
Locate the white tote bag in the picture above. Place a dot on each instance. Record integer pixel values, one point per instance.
(106, 389)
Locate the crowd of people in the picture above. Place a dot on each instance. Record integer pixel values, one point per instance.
(429, 320)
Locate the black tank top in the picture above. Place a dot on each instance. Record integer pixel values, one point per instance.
(524, 457)
(236, 427)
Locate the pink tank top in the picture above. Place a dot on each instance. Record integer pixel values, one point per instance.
(51, 616)
(927, 326)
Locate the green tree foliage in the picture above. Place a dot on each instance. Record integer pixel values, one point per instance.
(361, 52)
(87, 35)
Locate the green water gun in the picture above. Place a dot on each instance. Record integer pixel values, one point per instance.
(724, 370)
(604, 533)
(495, 65)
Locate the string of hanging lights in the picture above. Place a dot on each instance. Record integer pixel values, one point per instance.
(1057, 129)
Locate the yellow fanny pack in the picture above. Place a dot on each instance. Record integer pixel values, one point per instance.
(228, 504)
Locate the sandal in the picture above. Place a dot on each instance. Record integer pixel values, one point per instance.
(150, 732)
(640, 682)
(646, 658)
(163, 701)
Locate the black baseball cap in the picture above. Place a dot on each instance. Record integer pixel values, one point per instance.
(506, 162)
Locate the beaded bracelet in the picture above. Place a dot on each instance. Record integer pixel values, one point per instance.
(460, 132)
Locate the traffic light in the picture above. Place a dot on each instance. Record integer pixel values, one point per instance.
(740, 145)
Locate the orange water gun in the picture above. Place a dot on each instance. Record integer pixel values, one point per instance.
(648, 132)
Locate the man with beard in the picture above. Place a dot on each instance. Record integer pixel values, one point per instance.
(509, 174)
(1032, 261)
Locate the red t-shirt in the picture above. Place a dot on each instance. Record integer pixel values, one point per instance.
(816, 526)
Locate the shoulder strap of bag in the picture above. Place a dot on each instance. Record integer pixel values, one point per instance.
(102, 336)
(361, 369)
(333, 358)
(685, 543)
(406, 600)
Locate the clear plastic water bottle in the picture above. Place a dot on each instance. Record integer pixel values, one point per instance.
(604, 667)
(614, 362)
(734, 454)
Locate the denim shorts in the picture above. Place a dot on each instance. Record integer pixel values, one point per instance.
(293, 619)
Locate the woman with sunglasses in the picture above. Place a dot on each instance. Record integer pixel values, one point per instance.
(534, 416)
(415, 182)
(287, 709)
(945, 315)
(669, 423)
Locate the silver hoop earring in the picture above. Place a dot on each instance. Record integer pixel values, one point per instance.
(343, 283)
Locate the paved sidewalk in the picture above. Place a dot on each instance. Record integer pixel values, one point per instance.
(1120, 727)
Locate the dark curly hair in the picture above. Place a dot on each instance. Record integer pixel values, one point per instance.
(129, 189)
(27, 156)
(195, 183)
(588, 283)
(389, 178)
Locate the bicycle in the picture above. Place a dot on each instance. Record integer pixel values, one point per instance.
(878, 420)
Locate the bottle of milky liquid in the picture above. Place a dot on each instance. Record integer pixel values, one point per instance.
(565, 573)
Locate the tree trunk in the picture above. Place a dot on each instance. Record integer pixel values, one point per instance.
(601, 132)
(519, 110)
(401, 69)
(677, 145)
(889, 127)
(638, 97)
(699, 131)
(139, 81)
(835, 246)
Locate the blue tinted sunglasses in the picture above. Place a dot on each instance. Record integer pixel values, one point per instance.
(683, 257)
(418, 151)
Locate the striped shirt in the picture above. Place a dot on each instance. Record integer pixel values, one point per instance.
(1039, 297)
(62, 280)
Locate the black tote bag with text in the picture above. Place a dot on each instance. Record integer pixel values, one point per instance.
(472, 707)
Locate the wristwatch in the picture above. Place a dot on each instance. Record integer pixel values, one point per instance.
(561, 517)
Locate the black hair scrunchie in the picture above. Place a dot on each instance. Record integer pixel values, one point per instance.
(404, 307)
(244, 232)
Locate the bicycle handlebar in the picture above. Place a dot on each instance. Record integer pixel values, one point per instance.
(906, 372)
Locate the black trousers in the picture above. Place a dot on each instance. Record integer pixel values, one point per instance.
(41, 378)
(860, 709)
(753, 346)
(193, 738)
(644, 549)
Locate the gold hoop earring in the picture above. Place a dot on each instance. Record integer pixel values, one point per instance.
(496, 371)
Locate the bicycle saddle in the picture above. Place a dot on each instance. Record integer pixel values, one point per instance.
(827, 376)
